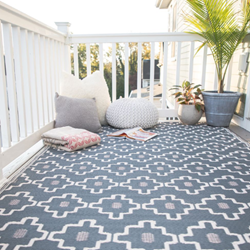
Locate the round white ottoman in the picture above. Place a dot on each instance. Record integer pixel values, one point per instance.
(132, 112)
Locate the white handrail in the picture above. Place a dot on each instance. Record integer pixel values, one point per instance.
(133, 37)
(15, 17)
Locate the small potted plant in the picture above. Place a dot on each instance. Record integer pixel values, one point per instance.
(191, 106)
(222, 28)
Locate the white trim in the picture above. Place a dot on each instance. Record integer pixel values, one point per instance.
(22, 164)
(19, 161)
(12, 153)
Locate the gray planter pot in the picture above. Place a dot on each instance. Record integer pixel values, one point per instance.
(220, 107)
(188, 114)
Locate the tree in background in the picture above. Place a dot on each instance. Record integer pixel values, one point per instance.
(120, 68)
(82, 58)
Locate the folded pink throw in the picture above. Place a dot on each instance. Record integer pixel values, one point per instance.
(70, 139)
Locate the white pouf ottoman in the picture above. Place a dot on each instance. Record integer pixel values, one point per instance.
(132, 112)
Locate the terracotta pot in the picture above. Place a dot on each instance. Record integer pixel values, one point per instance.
(188, 114)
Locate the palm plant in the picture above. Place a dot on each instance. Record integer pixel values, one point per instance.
(222, 27)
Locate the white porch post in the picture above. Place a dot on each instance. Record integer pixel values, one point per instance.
(64, 28)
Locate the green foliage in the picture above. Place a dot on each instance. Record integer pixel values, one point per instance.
(120, 68)
(223, 28)
(94, 51)
(188, 94)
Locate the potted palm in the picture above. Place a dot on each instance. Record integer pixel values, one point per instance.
(191, 106)
(223, 28)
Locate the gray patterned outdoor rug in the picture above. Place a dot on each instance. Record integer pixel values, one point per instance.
(186, 189)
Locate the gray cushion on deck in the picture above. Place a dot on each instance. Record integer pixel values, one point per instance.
(77, 113)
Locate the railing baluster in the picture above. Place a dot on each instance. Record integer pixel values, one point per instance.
(53, 74)
(229, 75)
(204, 67)
(33, 82)
(44, 80)
(4, 116)
(66, 58)
(113, 72)
(178, 67)
(215, 78)
(39, 79)
(88, 59)
(76, 66)
(56, 64)
(165, 72)
(60, 63)
(51, 83)
(9, 62)
(152, 72)
(247, 104)
(26, 79)
(191, 61)
(48, 75)
(126, 76)
(63, 52)
(101, 57)
(19, 81)
(139, 70)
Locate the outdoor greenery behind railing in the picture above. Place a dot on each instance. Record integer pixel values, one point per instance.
(94, 50)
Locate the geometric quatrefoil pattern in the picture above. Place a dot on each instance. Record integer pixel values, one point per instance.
(186, 189)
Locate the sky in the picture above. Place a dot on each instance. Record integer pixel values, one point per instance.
(97, 16)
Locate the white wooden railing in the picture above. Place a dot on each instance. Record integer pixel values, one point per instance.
(32, 58)
(152, 38)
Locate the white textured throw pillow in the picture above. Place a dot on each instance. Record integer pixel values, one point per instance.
(93, 86)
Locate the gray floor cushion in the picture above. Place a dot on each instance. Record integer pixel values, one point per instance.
(132, 112)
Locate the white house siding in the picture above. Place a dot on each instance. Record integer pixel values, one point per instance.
(238, 81)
